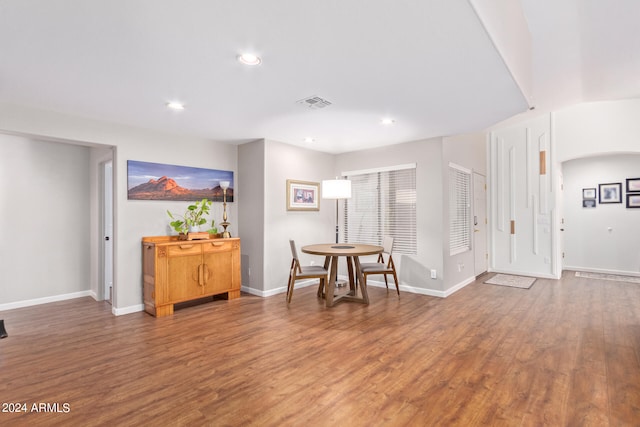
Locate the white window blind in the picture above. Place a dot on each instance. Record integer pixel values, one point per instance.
(459, 209)
(382, 203)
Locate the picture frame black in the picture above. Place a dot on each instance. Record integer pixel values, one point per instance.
(589, 203)
(633, 200)
(610, 192)
(589, 193)
(633, 185)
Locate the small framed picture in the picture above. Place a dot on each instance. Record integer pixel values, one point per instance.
(633, 185)
(633, 200)
(589, 193)
(589, 203)
(303, 195)
(610, 193)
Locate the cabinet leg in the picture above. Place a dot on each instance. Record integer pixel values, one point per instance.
(233, 294)
(165, 310)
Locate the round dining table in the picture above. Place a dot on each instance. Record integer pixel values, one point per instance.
(353, 252)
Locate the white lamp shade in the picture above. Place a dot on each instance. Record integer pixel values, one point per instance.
(336, 189)
(224, 184)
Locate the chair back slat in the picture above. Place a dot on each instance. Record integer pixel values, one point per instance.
(294, 254)
(294, 251)
(387, 244)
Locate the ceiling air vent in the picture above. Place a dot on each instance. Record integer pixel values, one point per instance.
(314, 102)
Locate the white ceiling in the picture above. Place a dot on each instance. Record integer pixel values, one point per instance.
(429, 64)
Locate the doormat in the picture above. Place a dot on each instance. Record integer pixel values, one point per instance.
(604, 276)
(520, 282)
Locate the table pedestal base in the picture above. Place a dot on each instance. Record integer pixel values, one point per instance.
(353, 263)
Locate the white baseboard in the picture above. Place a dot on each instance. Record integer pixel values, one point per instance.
(127, 310)
(280, 290)
(374, 283)
(424, 291)
(602, 271)
(44, 300)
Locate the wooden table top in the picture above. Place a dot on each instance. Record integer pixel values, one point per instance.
(342, 249)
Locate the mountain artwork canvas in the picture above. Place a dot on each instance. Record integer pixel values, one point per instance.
(157, 181)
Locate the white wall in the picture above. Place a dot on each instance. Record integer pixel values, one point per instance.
(604, 238)
(282, 162)
(413, 270)
(469, 151)
(251, 218)
(134, 219)
(44, 205)
(597, 127)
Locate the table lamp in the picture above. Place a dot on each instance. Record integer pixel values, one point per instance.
(336, 189)
(224, 185)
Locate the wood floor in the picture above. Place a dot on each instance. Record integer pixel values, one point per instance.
(563, 353)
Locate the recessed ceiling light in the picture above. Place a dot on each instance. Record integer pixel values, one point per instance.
(309, 140)
(249, 59)
(387, 121)
(175, 106)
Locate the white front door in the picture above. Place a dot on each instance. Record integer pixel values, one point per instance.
(522, 202)
(480, 251)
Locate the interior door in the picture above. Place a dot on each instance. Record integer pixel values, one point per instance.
(107, 223)
(480, 251)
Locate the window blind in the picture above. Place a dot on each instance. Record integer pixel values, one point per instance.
(382, 203)
(459, 209)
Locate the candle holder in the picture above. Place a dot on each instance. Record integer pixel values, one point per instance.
(224, 185)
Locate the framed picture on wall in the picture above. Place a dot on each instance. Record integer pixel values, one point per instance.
(303, 195)
(589, 203)
(610, 193)
(589, 193)
(159, 181)
(633, 185)
(633, 200)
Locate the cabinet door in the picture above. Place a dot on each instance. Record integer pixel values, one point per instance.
(218, 259)
(183, 271)
(149, 276)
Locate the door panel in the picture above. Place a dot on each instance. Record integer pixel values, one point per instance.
(480, 224)
(183, 277)
(522, 202)
(218, 271)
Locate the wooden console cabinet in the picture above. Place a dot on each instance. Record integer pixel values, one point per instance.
(176, 271)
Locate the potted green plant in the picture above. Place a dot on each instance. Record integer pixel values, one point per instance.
(192, 219)
(213, 231)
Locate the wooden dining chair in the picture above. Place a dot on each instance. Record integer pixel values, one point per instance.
(381, 266)
(298, 272)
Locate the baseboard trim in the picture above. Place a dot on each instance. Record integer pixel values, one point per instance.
(127, 310)
(44, 300)
(280, 290)
(602, 271)
(424, 291)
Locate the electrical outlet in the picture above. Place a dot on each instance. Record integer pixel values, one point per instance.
(434, 274)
